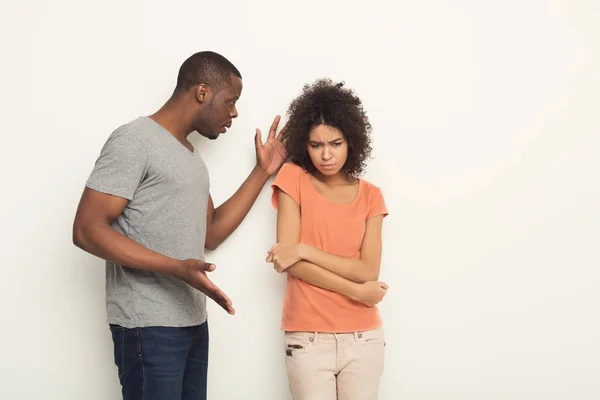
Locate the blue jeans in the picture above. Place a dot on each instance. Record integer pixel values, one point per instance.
(162, 362)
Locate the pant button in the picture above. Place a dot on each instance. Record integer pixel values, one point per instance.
(359, 335)
(311, 339)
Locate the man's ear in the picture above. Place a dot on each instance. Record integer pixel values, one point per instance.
(203, 93)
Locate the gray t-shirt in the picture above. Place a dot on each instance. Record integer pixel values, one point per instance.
(167, 186)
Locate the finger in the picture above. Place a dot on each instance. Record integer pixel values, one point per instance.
(257, 139)
(273, 248)
(282, 133)
(384, 285)
(207, 286)
(274, 125)
(225, 303)
(221, 298)
(282, 152)
(270, 258)
(209, 267)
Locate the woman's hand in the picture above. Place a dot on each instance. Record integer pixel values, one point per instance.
(284, 255)
(370, 293)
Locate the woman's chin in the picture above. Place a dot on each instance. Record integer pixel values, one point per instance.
(328, 172)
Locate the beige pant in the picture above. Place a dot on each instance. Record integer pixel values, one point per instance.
(335, 366)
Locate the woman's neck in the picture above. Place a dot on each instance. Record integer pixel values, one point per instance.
(332, 180)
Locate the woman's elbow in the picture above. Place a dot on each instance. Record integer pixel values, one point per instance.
(293, 270)
(370, 274)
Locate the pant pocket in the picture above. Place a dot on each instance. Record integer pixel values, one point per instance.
(374, 338)
(295, 343)
(118, 337)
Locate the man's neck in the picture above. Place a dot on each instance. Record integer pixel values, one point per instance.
(173, 118)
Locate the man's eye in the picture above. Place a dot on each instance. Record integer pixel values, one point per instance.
(337, 144)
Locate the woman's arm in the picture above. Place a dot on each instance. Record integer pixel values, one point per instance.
(288, 250)
(360, 270)
(288, 233)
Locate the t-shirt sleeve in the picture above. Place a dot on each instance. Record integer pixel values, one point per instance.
(287, 180)
(377, 203)
(120, 167)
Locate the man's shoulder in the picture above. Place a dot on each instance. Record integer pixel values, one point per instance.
(140, 131)
(132, 128)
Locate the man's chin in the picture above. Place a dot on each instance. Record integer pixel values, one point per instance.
(210, 136)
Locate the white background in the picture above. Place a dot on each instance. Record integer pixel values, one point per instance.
(486, 134)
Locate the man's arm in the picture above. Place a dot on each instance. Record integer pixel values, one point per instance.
(93, 233)
(223, 220)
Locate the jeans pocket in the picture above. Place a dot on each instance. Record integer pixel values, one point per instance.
(374, 338)
(118, 337)
(295, 344)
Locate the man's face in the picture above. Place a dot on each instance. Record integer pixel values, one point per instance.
(216, 117)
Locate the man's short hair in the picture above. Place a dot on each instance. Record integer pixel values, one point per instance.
(206, 67)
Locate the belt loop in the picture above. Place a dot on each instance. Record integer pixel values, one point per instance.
(315, 338)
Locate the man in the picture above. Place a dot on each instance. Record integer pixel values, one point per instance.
(146, 209)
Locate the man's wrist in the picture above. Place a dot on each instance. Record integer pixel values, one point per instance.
(261, 172)
(176, 268)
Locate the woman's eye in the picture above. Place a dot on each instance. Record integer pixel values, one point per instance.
(337, 144)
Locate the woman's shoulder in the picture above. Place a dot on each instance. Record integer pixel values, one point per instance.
(292, 166)
(375, 200)
(291, 169)
(370, 186)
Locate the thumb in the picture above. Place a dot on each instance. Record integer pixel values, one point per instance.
(257, 139)
(272, 248)
(384, 285)
(209, 267)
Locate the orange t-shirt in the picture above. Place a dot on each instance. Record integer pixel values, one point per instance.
(335, 228)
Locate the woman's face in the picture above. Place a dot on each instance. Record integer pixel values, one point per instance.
(327, 149)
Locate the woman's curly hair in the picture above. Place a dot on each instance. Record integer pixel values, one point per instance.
(330, 104)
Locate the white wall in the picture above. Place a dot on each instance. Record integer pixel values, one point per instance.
(486, 134)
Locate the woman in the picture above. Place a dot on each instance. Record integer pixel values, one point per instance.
(329, 243)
